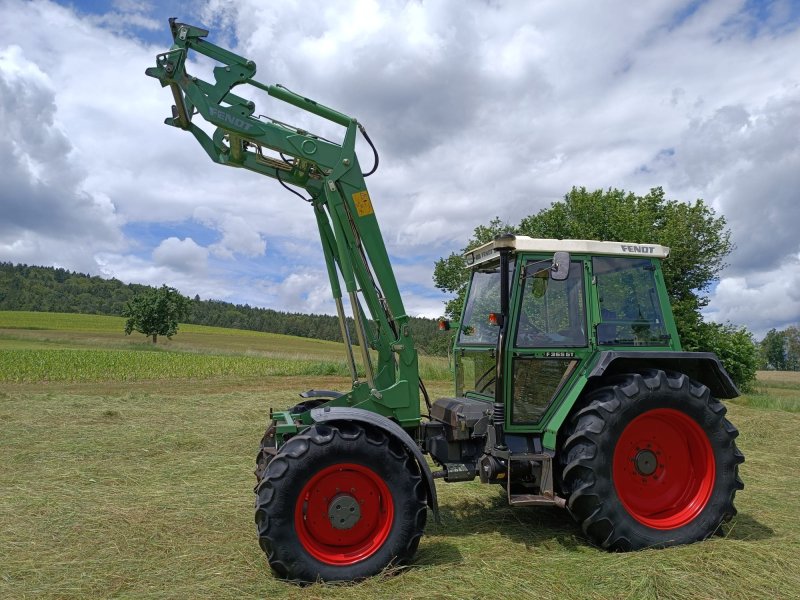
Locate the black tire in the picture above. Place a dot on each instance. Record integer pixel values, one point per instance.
(296, 518)
(650, 461)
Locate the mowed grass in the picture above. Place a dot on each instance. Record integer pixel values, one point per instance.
(144, 490)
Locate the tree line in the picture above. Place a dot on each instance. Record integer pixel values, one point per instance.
(49, 289)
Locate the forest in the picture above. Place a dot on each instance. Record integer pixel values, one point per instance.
(49, 289)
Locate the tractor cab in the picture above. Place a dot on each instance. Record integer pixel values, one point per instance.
(566, 300)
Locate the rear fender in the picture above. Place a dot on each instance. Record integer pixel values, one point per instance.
(703, 367)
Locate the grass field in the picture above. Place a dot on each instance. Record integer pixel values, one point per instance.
(143, 489)
(37, 347)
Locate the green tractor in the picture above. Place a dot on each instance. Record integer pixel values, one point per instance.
(571, 388)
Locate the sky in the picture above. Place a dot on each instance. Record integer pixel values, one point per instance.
(478, 109)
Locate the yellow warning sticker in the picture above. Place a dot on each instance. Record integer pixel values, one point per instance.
(363, 203)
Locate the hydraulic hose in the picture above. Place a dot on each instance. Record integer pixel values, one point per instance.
(374, 151)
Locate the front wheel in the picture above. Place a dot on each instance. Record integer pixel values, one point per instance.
(340, 502)
(650, 461)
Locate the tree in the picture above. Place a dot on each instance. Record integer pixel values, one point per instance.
(737, 350)
(773, 350)
(156, 312)
(780, 350)
(793, 347)
(698, 240)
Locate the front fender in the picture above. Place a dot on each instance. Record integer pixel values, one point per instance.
(328, 414)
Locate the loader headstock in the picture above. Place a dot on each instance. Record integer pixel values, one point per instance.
(259, 144)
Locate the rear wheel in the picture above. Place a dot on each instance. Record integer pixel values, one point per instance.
(340, 502)
(650, 461)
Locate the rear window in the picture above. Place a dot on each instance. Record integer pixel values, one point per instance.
(630, 313)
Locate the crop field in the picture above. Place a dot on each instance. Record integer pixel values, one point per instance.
(126, 472)
(37, 347)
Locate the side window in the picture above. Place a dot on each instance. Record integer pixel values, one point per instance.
(484, 298)
(630, 313)
(475, 372)
(552, 313)
(536, 383)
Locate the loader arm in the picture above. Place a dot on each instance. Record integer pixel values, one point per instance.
(330, 173)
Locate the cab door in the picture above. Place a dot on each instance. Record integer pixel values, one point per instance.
(549, 341)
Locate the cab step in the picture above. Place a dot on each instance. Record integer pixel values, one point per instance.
(547, 496)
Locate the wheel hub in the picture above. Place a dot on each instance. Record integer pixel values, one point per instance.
(646, 462)
(344, 512)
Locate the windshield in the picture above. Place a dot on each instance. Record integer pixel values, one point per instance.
(484, 298)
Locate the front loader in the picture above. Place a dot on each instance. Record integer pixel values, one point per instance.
(571, 387)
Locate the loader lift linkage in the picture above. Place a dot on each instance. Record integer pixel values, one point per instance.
(571, 386)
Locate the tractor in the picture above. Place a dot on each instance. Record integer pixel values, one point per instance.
(571, 386)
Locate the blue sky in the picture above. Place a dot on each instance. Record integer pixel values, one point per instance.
(478, 110)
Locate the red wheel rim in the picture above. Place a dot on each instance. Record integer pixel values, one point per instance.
(344, 514)
(664, 469)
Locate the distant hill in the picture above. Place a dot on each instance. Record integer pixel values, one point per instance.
(48, 289)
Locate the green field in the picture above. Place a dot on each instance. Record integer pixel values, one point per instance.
(127, 472)
(38, 347)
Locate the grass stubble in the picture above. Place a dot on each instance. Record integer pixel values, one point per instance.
(143, 489)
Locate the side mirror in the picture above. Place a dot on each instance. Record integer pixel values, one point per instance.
(560, 269)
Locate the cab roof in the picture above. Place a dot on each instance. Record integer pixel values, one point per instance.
(523, 243)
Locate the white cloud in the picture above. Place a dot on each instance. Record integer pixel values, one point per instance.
(133, 269)
(762, 300)
(239, 236)
(477, 109)
(181, 255)
(48, 216)
(305, 291)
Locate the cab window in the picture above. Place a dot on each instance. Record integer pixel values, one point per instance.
(630, 313)
(484, 298)
(552, 313)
